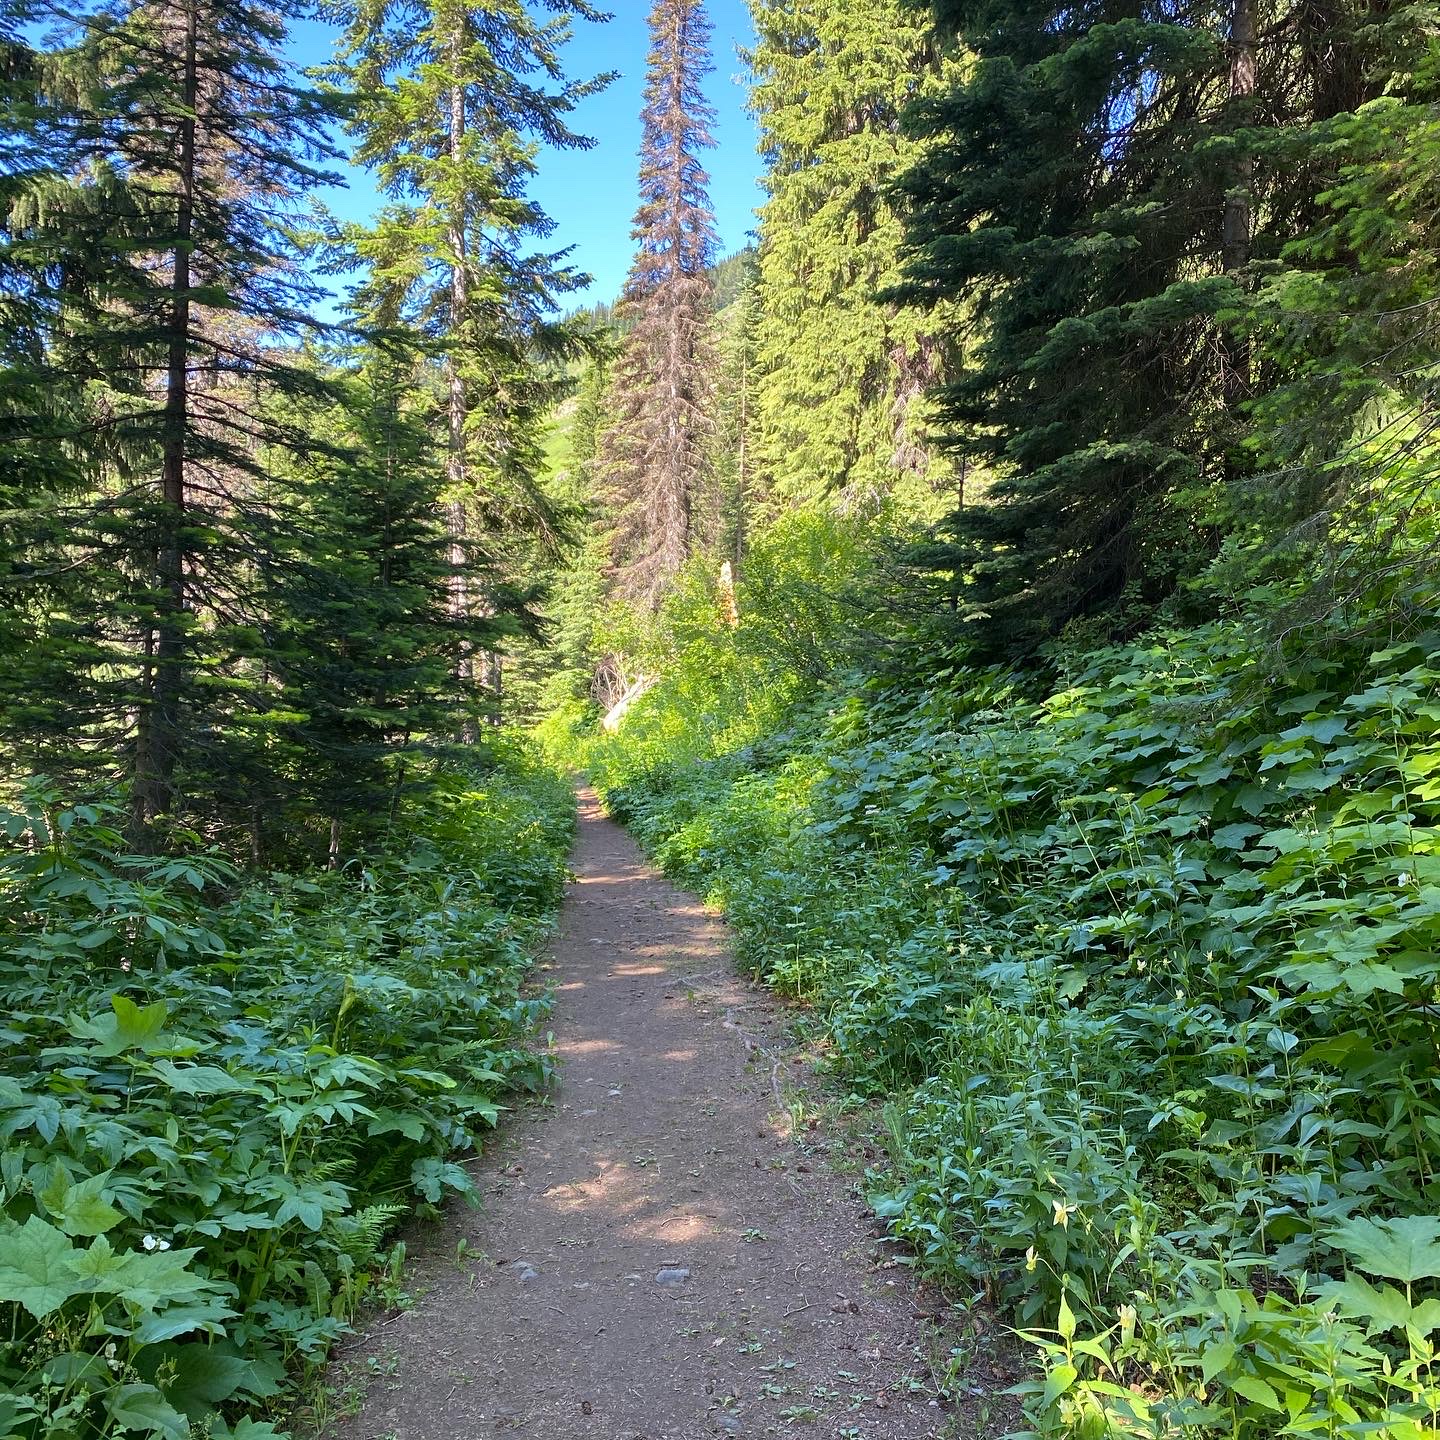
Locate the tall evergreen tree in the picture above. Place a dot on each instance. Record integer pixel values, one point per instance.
(839, 394)
(451, 102)
(158, 257)
(1341, 333)
(359, 636)
(1104, 185)
(733, 487)
(38, 475)
(560, 667)
(654, 450)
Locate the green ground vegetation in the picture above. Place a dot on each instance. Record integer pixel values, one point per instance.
(1139, 962)
(221, 1092)
(1067, 744)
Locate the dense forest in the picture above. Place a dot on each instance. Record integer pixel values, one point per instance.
(1007, 589)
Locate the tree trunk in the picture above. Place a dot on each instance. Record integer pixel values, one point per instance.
(494, 679)
(743, 499)
(158, 734)
(1238, 222)
(458, 468)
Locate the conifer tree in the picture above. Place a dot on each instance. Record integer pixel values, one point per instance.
(734, 486)
(654, 449)
(1067, 197)
(359, 634)
(1106, 185)
(37, 476)
(839, 394)
(158, 257)
(1341, 334)
(560, 668)
(451, 101)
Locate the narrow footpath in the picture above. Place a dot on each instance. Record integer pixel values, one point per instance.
(665, 1251)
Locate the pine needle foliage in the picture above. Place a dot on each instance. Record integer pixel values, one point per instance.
(451, 103)
(153, 254)
(841, 375)
(1108, 186)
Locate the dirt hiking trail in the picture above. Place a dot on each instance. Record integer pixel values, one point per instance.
(658, 1256)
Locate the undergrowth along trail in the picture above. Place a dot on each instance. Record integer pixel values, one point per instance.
(667, 1249)
(1143, 970)
(220, 1093)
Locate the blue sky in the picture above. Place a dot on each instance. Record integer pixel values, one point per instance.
(591, 195)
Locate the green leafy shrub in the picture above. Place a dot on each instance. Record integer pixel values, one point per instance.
(1147, 970)
(217, 1095)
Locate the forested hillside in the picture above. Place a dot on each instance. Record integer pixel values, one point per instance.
(1008, 589)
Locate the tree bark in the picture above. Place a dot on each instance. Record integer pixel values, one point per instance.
(159, 723)
(1238, 221)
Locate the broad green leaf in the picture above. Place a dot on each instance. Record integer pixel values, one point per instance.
(1252, 1387)
(1325, 730)
(128, 1028)
(73, 1366)
(177, 1320)
(245, 1220)
(149, 1281)
(9, 1416)
(42, 1113)
(204, 1375)
(135, 1027)
(433, 1177)
(1216, 1358)
(1065, 1324)
(79, 1209)
(35, 1267)
(435, 1078)
(391, 1122)
(309, 1211)
(245, 1429)
(98, 1267)
(1404, 1249)
(1059, 1379)
(198, 1079)
(144, 1408)
(1379, 1308)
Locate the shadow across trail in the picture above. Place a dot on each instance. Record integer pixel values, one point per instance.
(655, 1258)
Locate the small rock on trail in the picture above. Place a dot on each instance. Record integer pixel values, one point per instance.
(625, 1294)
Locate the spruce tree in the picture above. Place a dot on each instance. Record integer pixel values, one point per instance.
(1106, 185)
(159, 258)
(734, 486)
(450, 102)
(37, 477)
(839, 406)
(654, 449)
(559, 667)
(1340, 334)
(359, 637)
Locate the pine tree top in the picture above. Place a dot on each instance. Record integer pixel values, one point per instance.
(675, 223)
